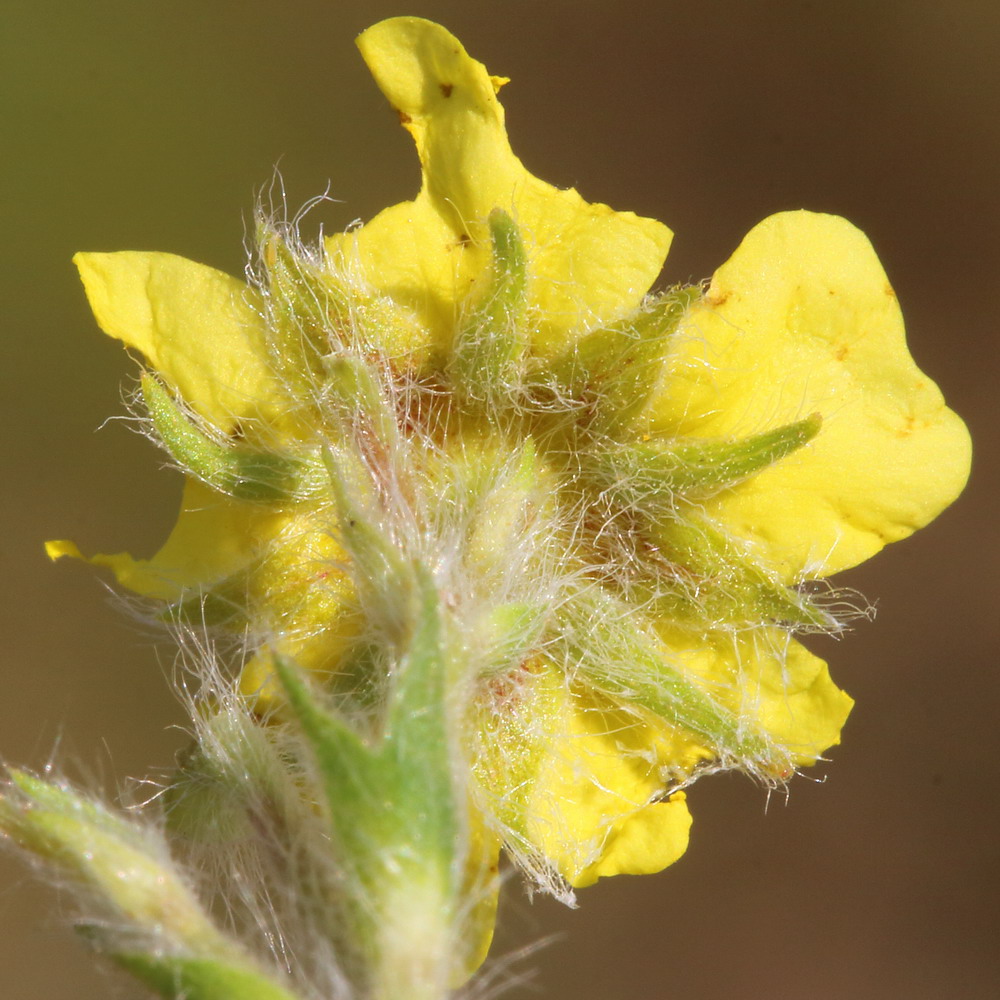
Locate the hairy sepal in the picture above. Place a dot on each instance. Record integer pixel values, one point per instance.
(248, 474)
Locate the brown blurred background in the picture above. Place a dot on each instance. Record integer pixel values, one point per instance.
(150, 125)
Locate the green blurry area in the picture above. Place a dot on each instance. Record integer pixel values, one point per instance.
(156, 125)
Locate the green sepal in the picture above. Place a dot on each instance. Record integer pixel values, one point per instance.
(383, 578)
(418, 749)
(220, 605)
(599, 635)
(307, 306)
(487, 361)
(391, 801)
(504, 489)
(240, 472)
(183, 978)
(610, 373)
(510, 633)
(301, 288)
(720, 583)
(202, 804)
(650, 476)
(353, 389)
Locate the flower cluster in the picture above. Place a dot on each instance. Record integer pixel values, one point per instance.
(513, 546)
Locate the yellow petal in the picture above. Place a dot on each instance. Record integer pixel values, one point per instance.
(802, 320)
(581, 777)
(213, 538)
(481, 887)
(198, 327)
(594, 807)
(588, 265)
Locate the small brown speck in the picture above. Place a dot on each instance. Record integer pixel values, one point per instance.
(404, 118)
(841, 352)
(465, 240)
(889, 291)
(446, 88)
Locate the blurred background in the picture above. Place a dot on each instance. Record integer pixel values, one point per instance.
(152, 125)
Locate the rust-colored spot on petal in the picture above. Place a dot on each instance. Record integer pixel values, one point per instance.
(404, 118)
(446, 88)
(715, 299)
(889, 291)
(841, 352)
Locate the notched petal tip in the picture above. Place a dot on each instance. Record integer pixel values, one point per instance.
(419, 66)
(588, 265)
(60, 548)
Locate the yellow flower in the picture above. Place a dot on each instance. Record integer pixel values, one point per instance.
(624, 497)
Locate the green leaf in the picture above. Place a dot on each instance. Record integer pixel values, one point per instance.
(183, 978)
(351, 771)
(359, 400)
(394, 798)
(121, 867)
(60, 799)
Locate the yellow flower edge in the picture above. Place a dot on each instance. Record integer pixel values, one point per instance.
(802, 319)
